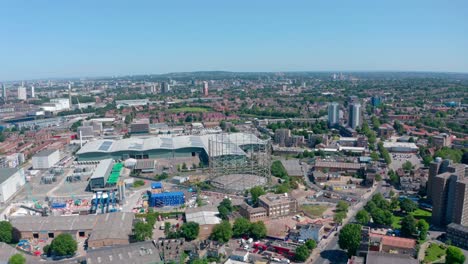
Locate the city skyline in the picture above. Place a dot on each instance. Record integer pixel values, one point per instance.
(71, 40)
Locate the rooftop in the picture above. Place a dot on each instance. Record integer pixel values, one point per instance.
(203, 215)
(227, 144)
(374, 257)
(138, 253)
(338, 165)
(45, 153)
(6, 173)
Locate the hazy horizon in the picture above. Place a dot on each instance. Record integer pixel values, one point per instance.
(88, 39)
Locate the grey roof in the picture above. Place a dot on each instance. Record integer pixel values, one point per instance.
(6, 173)
(137, 253)
(6, 251)
(374, 257)
(206, 215)
(225, 144)
(102, 169)
(293, 167)
(113, 225)
(45, 153)
(460, 228)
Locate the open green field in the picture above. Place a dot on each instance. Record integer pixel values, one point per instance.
(189, 110)
(313, 210)
(418, 214)
(433, 253)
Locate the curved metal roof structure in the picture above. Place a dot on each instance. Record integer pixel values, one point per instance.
(234, 141)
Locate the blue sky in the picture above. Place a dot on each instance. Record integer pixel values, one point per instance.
(57, 38)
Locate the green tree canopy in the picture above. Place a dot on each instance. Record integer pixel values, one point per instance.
(311, 244)
(190, 230)
(408, 225)
(258, 230)
(350, 238)
(454, 256)
(256, 192)
(382, 217)
(362, 217)
(342, 206)
(241, 227)
(6, 232)
(222, 232)
(278, 170)
(17, 259)
(302, 253)
(63, 245)
(408, 205)
(423, 227)
(143, 231)
(339, 217)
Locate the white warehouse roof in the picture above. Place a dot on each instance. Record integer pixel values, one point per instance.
(226, 144)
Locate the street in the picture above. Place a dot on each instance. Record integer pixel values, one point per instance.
(328, 248)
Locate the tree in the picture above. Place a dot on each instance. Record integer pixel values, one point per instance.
(423, 227)
(454, 256)
(407, 166)
(408, 225)
(167, 228)
(302, 253)
(311, 244)
(63, 245)
(190, 230)
(222, 232)
(227, 203)
(362, 217)
(256, 192)
(6, 232)
(240, 227)
(378, 177)
(339, 217)
(223, 212)
(143, 231)
(408, 205)
(258, 230)
(382, 217)
(17, 259)
(394, 202)
(350, 238)
(278, 170)
(342, 206)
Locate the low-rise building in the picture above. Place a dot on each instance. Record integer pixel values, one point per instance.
(252, 214)
(278, 204)
(458, 234)
(309, 231)
(138, 253)
(102, 230)
(46, 159)
(12, 181)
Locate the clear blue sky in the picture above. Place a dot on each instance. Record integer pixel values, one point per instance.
(61, 38)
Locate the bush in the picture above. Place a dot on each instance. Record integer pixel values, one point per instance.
(138, 183)
(6, 232)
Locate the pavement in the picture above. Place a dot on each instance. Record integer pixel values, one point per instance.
(328, 250)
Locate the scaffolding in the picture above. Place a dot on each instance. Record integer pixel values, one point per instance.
(238, 161)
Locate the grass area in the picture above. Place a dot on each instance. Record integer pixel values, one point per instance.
(314, 210)
(396, 222)
(188, 110)
(418, 214)
(433, 253)
(422, 214)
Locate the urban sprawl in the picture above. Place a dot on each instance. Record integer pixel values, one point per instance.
(224, 167)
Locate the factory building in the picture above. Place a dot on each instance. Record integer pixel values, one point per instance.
(11, 181)
(46, 159)
(102, 230)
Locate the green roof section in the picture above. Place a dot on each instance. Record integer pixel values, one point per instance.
(115, 174)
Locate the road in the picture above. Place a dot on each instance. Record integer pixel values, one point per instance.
(329, 250)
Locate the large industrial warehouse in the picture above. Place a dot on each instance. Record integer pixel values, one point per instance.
(168, 147)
